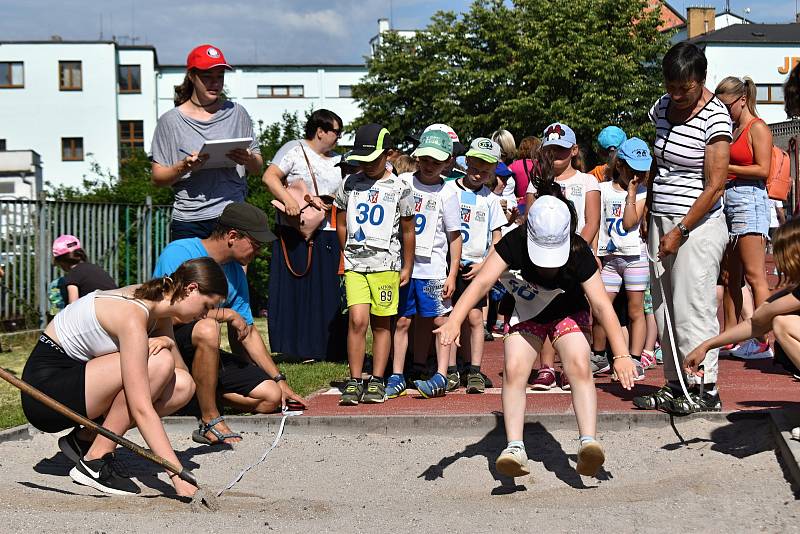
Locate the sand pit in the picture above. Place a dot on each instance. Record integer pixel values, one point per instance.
(725, 476)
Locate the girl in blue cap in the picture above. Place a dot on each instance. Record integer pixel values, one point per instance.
(620, 246)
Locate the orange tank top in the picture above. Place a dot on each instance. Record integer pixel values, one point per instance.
(741, 151)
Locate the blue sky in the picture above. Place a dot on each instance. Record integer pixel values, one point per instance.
(264, 31)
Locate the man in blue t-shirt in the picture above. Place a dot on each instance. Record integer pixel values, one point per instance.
(250, 382)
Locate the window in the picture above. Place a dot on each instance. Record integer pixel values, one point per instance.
(769, 94)
(280, 91)
(129, 78)
(345, 91)
(2, 145)
(72, 148)
(6, 188)
(70, 78)
(131, 137)
(12, 75)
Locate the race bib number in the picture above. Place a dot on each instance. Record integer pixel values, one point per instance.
(426, 220)
(370, 217)
(529, 299)
(474, 227)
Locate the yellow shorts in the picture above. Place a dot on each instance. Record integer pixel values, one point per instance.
(379, 290)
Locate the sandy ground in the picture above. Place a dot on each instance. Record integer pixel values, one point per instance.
(721, 477)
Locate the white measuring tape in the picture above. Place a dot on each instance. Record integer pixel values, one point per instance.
(671, 334)
(286, 414)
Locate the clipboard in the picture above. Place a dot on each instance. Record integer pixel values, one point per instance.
(217, 149)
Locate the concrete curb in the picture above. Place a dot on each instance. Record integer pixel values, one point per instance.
(17, 433)
(782, 422)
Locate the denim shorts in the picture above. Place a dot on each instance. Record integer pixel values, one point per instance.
(747, 207)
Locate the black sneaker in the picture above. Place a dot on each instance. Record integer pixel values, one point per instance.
(72, 446)
(352, 393)
(697, 403)
(101, 475)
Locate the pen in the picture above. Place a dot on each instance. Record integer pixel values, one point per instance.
(182, 150)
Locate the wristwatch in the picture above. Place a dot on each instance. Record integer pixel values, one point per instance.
(683, 229)
(279, 377)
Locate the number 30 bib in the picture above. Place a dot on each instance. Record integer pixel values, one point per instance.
(370, 217)
(529, 299)
(426, 219)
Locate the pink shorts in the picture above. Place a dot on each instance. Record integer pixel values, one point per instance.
(578, 322)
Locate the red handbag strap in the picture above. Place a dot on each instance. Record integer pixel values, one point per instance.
(310, 169)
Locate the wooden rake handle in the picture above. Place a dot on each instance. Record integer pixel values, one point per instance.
(53, 404)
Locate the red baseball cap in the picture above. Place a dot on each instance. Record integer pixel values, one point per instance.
(205, 57)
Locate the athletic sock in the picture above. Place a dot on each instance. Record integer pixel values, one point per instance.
(377, 378)
(586, 439)
(452, 369)
(473, 369)
(517, 443)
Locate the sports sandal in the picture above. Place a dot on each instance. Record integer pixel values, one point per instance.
(701, 403)
(199, 435)
(655, 401)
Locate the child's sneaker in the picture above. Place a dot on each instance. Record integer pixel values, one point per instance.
(435, 386)
(648, 360)
(487, 334)
(590, 458)
(545, 380)
(598, 363)
(375, 393)
(655, 401)
(725, 350)
(353, 391)
(752, 349)
(659, 355)
(707, 402)
(453, 381)
(513, 462)
(475, 383)
(395, 386)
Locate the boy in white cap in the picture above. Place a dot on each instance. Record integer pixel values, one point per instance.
(552, 275)
(437, 226)
(481, 220)
(375, 226)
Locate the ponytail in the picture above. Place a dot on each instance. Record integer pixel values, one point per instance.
(750, 95)
(542, 177)
(204, 272)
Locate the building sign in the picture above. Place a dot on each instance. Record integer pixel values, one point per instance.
(788, 64)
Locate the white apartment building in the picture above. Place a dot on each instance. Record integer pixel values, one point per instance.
(76, 103)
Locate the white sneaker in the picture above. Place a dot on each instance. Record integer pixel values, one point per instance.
(752, 350)
(513, 462)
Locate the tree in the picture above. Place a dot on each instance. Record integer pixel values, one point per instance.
(520, 66)
(131, 185)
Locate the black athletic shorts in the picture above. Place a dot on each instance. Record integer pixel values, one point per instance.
(462, 285)
(236, 374)
(58, 376)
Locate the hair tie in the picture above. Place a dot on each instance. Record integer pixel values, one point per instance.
(168, 279)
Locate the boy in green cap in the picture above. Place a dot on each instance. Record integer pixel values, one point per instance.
(427, 297)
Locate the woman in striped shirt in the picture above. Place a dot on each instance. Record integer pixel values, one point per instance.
(685, 226)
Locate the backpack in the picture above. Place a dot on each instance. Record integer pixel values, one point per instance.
(779, 181)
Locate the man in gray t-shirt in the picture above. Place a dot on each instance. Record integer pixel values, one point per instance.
(201, 194)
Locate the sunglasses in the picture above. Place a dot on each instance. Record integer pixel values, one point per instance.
(337, 131)
(257, 245)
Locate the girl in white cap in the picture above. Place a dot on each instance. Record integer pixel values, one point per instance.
(552, 275)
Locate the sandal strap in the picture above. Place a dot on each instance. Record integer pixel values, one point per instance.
(205, 427)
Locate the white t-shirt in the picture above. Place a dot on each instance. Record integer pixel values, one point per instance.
(292, 162)
(511, 202)
(481, 214)
(575, 189)
(436, 213)
(613, 237)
